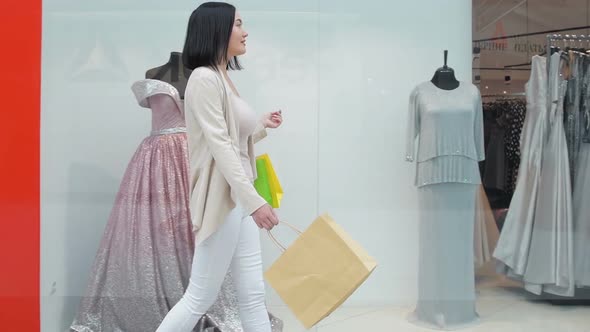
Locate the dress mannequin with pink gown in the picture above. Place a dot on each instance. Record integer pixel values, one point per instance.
(143, 264)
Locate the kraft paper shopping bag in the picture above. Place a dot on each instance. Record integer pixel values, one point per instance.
(319, 271)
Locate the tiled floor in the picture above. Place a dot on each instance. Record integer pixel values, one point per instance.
(502, 306)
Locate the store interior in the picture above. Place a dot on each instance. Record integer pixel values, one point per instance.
(342, 73)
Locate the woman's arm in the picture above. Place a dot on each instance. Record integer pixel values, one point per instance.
(268, 120)
(259, 132)
(206, 104)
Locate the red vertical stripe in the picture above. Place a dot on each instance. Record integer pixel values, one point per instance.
(20, 81)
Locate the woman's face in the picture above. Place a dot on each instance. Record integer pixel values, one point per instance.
(237, 41)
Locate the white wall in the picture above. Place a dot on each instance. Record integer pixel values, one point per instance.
(341, 71)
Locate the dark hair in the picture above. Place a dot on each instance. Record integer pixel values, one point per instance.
(207, 36)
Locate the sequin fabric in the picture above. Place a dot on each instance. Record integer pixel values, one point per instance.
(143, 264)
(503, 122)
(515, 122)
(586, 102)
(573, 110)
(445, 134)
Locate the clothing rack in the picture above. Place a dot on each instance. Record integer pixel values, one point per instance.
(552, 38)
(520, 35)
(500, 96)
(506, 68)
(517, 94)
(550, 34)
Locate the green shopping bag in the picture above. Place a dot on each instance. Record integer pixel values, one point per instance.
(267, 183)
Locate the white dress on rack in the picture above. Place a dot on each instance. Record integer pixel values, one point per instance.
(550, 266)
(536, 243)
(512, 250)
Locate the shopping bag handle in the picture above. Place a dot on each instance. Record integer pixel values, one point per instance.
(276, 242)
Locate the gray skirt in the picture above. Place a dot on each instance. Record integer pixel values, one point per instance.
(446, 281)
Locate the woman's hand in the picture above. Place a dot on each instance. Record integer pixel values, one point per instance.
(265, 217)
(272, 120)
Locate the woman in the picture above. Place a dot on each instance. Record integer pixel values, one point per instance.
(225, 207)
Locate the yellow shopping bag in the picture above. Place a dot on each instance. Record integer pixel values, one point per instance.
(319, 271)
(267, 183)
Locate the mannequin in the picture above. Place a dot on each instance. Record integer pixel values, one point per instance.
(150, 222)
(445, 139)
(172, 72)
(444, 77)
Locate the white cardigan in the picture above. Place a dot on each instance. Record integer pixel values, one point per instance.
(217, 178)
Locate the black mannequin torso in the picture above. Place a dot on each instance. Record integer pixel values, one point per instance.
(444, 77)
(172, 72)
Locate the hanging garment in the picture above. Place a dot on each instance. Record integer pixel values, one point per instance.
(513, 246)
(586, 102)
(486, 229)
(446, 281)
(143, 263)
(573, 118)
(447, 127)
(503, 122)
(581, 215)
(496, 163)
(550, 262)
(581, 208)
(515, 120)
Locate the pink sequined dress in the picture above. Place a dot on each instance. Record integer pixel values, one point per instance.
(144, 260)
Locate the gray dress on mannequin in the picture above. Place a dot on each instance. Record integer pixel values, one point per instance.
(445, 138)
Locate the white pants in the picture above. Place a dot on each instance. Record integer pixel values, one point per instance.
(235, 245)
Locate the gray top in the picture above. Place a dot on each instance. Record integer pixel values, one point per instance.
(445, 134)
